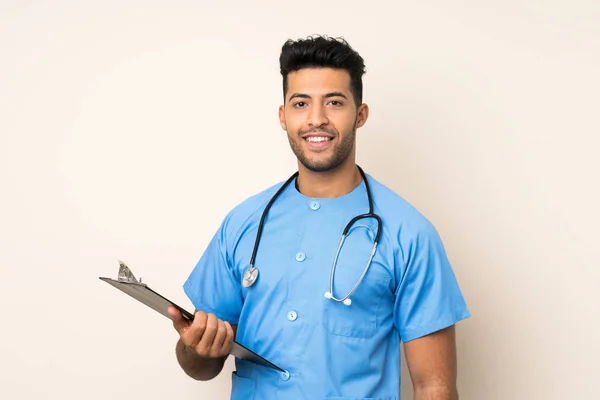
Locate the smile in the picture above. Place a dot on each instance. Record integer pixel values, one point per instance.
(317, 139)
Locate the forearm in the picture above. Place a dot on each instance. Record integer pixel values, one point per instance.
(436, 392)
(202, 369)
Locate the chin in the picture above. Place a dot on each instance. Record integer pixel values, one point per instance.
(324, 161)
(320, 165)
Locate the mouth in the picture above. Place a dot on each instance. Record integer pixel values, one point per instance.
(317, 143)
(317, 139)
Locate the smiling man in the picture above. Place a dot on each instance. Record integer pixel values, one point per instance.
(330, 297)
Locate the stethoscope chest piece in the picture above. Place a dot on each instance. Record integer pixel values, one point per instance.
(250, 277)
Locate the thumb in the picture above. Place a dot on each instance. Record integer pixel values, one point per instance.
(179, 323)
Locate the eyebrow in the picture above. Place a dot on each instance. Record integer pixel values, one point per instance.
(326, 96)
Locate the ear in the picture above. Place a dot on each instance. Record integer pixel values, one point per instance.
(362, 115)
(282, 118)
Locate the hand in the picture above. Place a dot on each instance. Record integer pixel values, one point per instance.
(206, 336)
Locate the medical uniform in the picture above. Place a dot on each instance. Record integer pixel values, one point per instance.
(331, 350)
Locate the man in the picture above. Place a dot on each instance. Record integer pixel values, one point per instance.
(330, 348)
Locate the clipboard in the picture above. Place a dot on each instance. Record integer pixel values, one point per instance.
(127, 283)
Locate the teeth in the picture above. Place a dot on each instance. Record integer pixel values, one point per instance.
(317, 139)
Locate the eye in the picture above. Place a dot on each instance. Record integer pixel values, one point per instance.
(336, 103)
(299, 104)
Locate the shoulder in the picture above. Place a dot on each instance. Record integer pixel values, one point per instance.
(410, 234)
(401, 219)
(395, 208)
(239, 216)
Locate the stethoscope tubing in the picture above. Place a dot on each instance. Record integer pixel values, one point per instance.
(251, 275)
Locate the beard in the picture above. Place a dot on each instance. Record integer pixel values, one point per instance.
(341, 151)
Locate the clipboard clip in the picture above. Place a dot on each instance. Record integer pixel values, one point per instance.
(125, 275)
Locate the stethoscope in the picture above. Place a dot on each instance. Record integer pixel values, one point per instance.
(251, 275)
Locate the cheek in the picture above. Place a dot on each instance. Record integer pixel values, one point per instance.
(293, 124)
(342, 123)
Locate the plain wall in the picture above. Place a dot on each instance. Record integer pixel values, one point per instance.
(129, 128)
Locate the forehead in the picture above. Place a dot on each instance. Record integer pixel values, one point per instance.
(318, 81)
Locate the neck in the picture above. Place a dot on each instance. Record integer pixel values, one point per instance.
(329, 184)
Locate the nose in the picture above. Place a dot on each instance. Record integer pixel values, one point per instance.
(317, 116)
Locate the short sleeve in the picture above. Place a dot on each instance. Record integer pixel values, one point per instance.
(211, 286)
(428, 297)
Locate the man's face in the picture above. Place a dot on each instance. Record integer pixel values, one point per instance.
(321, 117)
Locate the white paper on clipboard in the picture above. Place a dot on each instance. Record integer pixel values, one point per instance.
(127, 283)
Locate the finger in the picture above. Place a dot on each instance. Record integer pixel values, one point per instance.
(179, 322)
(174, 313)
(196, 330)
(209, 334)
(217, 346)
(228, 341)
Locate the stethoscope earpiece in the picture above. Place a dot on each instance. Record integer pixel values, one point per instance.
(347, 301)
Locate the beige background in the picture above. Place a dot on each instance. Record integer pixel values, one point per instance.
(119, 119)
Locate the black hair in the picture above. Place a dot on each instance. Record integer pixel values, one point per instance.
(323, 52)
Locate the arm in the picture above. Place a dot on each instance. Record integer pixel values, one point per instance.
(204, 344)
(431, 362)
(196, 367)
(428, 306)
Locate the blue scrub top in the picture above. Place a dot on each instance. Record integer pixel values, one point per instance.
(332, 351)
